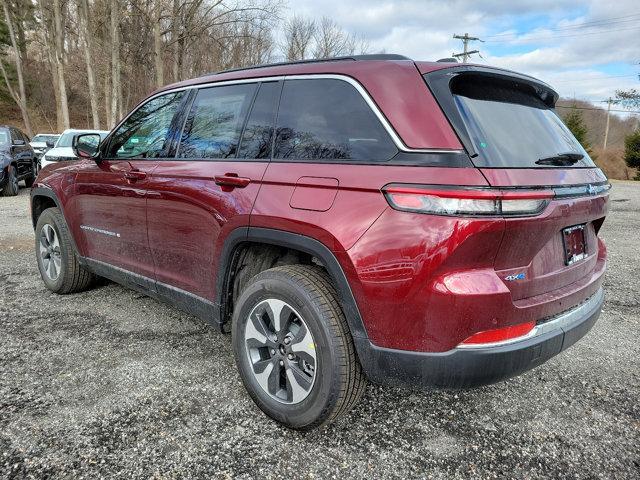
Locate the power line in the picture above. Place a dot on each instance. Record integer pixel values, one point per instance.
(521, 37)
(634, 112)
(596, 78)
(585, 25)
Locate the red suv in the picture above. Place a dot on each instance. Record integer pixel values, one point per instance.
(413, 223)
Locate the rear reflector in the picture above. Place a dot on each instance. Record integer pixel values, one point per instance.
(499, 335)
(439, 200)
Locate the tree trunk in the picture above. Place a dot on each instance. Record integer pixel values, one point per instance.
(175, 33)
(59, 51)
(158, 45)
(19, 97)
(107, 101)
(87, 44)
(116, 88)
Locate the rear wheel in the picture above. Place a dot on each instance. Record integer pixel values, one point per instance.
(57, 261)
(11, 188)
(293, 348)
(32, 176)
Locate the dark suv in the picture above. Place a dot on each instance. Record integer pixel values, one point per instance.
(413, 223)
(17, 161)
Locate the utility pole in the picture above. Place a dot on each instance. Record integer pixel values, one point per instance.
(465, 42)
(606, 129)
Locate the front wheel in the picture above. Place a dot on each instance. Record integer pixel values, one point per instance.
(57, 260)
(293, 347)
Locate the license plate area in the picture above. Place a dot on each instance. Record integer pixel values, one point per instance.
(574, 243)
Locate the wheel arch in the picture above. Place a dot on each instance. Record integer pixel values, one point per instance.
(43, 198)
(241, 237)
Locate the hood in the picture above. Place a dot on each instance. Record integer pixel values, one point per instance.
(66, 152)
(38, 144)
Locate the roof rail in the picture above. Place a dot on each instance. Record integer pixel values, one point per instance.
(354, 58)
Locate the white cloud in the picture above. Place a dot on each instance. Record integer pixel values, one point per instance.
(423, 29)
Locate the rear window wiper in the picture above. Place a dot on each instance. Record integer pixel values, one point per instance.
(561, 159)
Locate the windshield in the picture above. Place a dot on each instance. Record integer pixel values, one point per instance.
(45, 138)
(4, 137)
(66, 139)
(511, 127)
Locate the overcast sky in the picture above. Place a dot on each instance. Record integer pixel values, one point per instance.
(586, 48)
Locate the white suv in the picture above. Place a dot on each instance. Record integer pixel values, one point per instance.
(62, 150)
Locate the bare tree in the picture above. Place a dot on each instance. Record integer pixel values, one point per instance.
(116, 81)
(59, 62)
(332, 41)
(87, 44)
(298, 36)
(20, 97)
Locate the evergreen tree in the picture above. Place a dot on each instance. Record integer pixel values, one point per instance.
(632, 151)
(575, 123)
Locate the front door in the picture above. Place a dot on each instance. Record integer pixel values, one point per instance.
(208, 190)
(110, 198)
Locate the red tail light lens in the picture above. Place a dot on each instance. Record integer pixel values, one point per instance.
(439, 200)
(499, 334)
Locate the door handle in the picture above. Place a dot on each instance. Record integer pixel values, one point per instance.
(229, 181)
(134, 175)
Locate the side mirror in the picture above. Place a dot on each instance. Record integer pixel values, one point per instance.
(50, 144)
(86, 145)
(19, 143)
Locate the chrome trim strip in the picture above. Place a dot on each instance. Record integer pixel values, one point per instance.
(365, 95)
(559, 322)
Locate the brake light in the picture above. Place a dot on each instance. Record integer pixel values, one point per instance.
(439, 200)
(499, 335)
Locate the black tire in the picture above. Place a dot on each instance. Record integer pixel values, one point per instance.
(11, 188)
(339, 381)
(71, 276)
(29, 181)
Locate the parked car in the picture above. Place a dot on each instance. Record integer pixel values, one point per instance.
(42, 142)
(17, 160)
(414, 223)
(62, 150)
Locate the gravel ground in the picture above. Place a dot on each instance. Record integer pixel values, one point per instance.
(110, 383)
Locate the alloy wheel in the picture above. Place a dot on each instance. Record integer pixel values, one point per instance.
(50, 252)
(281, 351)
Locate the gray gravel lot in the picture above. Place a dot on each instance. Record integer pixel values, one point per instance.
(110, 383)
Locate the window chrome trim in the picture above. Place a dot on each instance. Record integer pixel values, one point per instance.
(399, 143)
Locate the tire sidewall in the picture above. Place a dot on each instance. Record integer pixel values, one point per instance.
(317, 405)
(12, 182)
(47, 217)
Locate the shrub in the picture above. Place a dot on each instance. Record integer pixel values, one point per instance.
(632, 151)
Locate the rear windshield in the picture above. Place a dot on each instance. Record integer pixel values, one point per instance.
(510, 126)
(45, 138)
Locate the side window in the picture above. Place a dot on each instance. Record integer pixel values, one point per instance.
(215, 122)
(15, 135)
(145, 134)
(258, 133)
(328, 119)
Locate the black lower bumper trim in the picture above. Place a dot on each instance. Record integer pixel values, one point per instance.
(472, 367)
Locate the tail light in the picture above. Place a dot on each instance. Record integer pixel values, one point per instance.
(439, 200)
(499, 335)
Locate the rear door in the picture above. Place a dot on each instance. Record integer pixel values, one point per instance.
(517, 140)
(23, 154)
(196, 199)
(109, 204)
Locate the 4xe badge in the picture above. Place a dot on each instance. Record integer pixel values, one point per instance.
(515, 276)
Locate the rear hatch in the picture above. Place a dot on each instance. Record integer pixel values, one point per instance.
(508, 125)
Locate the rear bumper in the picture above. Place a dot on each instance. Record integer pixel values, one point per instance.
(476, 366)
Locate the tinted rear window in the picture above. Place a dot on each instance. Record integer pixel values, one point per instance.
(328, 119)
(510, 126)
